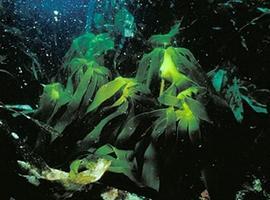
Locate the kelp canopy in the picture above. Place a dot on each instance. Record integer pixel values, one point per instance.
(130, 126)
(112, 110)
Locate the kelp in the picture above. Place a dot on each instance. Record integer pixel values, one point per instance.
(53, 97)
(165, 39)
(115, 128)
(61, 105)
(90, 47)
(176, 66)
(124, 23)
(183, 114)
(78, 67)
(237, 92)
(123, 94)
(128, 87)
(122, 161)
(93, 78)
(180, 109)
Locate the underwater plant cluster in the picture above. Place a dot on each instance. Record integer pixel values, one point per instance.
(165, 127)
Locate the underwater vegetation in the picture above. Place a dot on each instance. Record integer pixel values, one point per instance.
(95, 126)
(169, 77)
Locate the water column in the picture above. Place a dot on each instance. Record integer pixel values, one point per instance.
(105, 8)
(89, 15)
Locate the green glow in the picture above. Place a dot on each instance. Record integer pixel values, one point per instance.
(54, 91)
(185, 114)
(188, 92)
(55, 94)
(127, 87)
(168, 68)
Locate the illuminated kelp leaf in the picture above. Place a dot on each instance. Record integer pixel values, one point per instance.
(185, 110)
(74, 71)
(105, 92)
(158, 66)
(126, 86)
(188, 122)
(100, 45)
(190, 116)
(74, 180)
(169, 69)
(75, 64)
(169, 100)
(197, 108)
(89, 46)
(188, 67)
(80, 45)
(181, 109)
(189, 92)
(176, 66)
(122, 161)
(165, 39)
(54, 96)
(123, 93)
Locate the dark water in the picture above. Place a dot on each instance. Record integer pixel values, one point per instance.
(230, 161)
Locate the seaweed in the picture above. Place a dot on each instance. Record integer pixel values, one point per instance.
(90, 47)
(124, 23)
(237, 92)
(107, 117)
(176, 66)
(165, 39)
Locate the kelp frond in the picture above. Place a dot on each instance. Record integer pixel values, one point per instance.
(90, 47)
(170, 66)
(236, 92)
(165, 39)
(127, 87)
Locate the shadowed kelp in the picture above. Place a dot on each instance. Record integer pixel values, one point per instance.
(237, 92)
